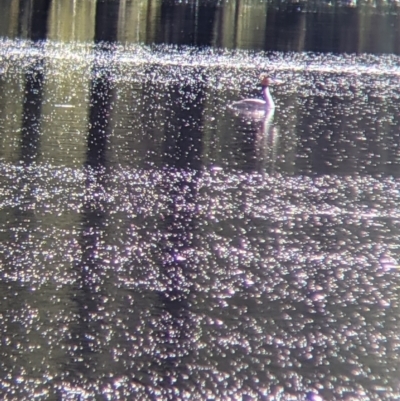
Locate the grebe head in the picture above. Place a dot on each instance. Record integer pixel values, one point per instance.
(265, 81)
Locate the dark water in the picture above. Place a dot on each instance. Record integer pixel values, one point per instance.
(156, 246)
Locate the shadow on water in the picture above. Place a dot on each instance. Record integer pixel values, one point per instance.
(24, 220)
(32, 113)
(17, 265)
(90, 289)
(91, 284)
(36, 14)
(182, 153)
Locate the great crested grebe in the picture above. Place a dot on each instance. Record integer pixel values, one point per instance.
(257, 106)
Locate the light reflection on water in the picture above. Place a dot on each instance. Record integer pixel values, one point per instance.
(335, 114)
(155, 246)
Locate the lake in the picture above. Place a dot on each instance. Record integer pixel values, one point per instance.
(155, 245)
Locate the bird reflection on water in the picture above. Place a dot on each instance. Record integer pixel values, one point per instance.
(267, 140)
(258, 139)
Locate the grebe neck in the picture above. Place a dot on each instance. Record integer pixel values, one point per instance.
(269, 102)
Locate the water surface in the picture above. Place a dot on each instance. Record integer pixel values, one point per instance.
(156, 246)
